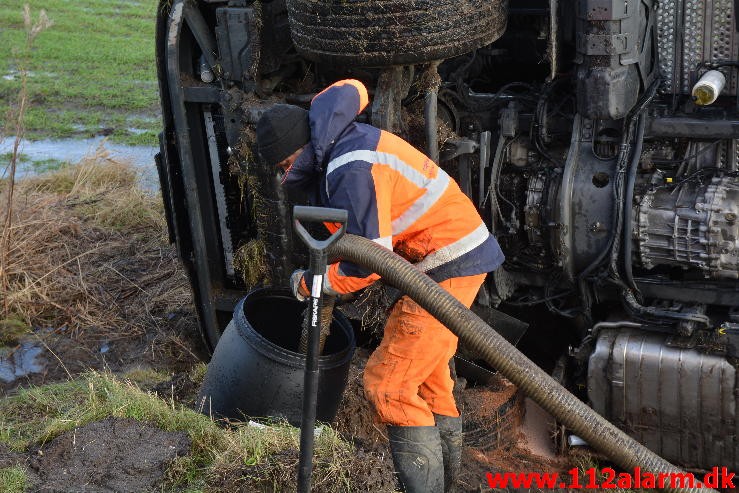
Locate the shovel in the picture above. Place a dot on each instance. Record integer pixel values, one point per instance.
(318, 260)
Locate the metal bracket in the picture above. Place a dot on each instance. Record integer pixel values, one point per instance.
(455, 148)
(603, 44)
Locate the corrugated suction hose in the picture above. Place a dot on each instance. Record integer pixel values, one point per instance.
(500, 354)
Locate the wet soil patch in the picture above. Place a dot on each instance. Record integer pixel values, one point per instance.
(171, 346)
(9, 458)
(356, 422)
(356, 419)
(181, 388)
(113, 455)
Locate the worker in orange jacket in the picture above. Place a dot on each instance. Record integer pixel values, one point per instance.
(399, 198)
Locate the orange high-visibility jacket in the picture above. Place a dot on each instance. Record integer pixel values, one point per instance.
(395, 195)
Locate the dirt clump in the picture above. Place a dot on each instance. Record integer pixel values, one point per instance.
(496, 440)
(356, 419)
(181, 388)
(374, 471)
(113, 455)
(371, 308)
(414, 125)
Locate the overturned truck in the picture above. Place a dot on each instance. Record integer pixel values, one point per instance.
(601, 146)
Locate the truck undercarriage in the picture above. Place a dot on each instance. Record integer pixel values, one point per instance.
(609, 182)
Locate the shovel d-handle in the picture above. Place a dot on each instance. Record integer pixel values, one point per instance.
(317, 248)
(305, 214)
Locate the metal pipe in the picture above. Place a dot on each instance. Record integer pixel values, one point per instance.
(430, 112)
(615, 325)
(203, 36)
(553, 38)
(696, 128)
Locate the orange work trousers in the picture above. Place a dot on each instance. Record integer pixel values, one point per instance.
(408, 378)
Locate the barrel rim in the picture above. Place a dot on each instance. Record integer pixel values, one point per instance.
(269, 349)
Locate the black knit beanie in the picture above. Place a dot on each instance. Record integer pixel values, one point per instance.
(282, 130)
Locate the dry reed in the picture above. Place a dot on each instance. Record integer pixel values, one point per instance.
(15, 120)
(88, 254)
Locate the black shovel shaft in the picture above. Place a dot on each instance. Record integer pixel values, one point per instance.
(318, 262)
(310, 389)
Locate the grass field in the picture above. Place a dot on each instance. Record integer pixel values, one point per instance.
(92, 72)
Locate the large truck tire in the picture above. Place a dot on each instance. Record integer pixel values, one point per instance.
(376, 33)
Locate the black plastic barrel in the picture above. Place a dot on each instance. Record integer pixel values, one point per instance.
(256, 370)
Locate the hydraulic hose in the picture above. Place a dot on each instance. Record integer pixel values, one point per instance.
(628, 205)
(500, 354)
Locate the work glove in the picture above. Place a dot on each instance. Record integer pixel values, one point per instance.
(298, 286)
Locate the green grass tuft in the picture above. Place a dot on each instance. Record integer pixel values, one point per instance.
(145, 377)
(39, 414)
(12, 480)
(12, 330)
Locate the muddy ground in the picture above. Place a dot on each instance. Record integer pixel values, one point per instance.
(124, 455)
(117, 455)
(85, 290)
(497, 436)
(113, 455)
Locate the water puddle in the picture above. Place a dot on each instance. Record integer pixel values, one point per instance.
(14, 74)
(23, 361)
(36, 152)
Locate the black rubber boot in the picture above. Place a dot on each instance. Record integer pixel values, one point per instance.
(417, 457)
(450, 432)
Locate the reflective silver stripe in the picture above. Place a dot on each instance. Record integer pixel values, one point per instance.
(386, 241)
(385, 158)
(455, 250)
(435, 187)
(434, 191)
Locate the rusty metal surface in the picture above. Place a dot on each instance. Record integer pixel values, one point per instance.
(678, 402)
(392, 86)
